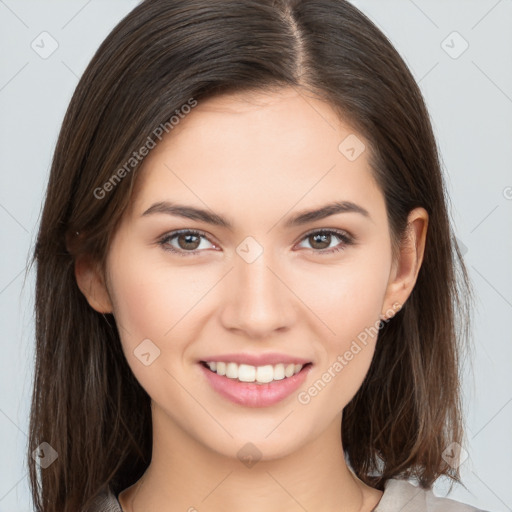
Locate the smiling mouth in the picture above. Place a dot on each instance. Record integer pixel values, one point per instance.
(254, 374)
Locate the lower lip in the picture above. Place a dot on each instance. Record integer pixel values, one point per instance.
(250, 394)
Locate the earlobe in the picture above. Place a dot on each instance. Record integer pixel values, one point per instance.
(92, 285)
(405, 270)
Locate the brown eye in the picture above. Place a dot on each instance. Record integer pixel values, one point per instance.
(185, 242)
(188, 241)
(321, 240)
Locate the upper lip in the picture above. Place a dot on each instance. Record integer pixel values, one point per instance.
(256, 359)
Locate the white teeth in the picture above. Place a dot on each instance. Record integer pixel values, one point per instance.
(246, 373)
(221, 369)
(265, 373)
(259, 374)
(279, 372)
(232, 371)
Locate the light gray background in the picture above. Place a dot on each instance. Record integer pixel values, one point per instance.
(470, 100)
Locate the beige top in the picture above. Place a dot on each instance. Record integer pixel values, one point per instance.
(398, 496)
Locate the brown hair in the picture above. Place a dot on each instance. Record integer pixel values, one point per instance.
(86, 402)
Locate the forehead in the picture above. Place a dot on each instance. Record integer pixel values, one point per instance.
(263, 147)
(253, 117)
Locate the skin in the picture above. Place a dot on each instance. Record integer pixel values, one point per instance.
(257, 160)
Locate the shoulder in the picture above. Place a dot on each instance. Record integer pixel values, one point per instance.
(399, 495)
(104, 502)
(403, 496)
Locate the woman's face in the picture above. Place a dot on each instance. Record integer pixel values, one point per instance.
(256, 284)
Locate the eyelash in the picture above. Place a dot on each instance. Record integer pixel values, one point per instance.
(343, 236)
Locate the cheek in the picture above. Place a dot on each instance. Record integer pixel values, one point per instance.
(348, 300)
(346, 296)
(156, 302)
(149, 303)
(149, 300)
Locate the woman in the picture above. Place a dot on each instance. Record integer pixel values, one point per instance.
(246, 284)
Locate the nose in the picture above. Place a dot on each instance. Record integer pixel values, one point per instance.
(258, 301)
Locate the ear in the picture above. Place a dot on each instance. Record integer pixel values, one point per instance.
(406, 267)
(91, 283)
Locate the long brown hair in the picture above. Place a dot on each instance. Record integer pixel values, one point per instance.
(86, 403)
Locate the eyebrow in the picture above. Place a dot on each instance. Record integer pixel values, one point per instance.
(300, 218)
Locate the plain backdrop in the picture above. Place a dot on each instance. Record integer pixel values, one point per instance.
(460, 51)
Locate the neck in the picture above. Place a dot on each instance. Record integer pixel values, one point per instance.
(184, 475)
